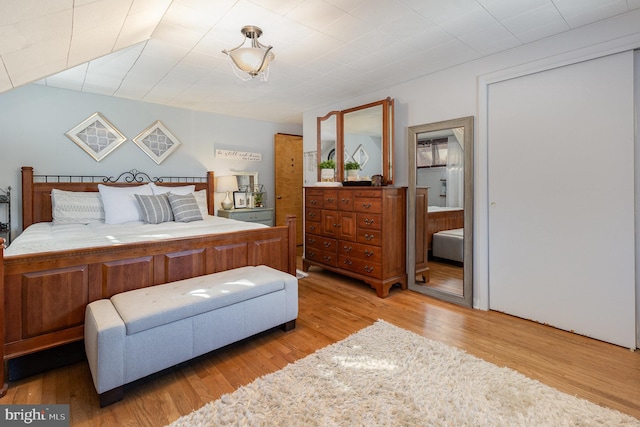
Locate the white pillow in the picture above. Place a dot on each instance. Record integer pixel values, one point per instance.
(201, 198)
(120, 204)
(161, 189)
(76, 207)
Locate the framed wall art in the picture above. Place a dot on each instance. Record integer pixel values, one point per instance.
(157, 142)
(96, 136)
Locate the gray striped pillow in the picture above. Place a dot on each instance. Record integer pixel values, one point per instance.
(185, 207)
(155, 209)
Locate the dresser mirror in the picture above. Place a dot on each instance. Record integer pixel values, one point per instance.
(440, 210)
(363, 134)
(327, 128)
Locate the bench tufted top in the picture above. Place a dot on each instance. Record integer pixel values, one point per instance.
(147, 308)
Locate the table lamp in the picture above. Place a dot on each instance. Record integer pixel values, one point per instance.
(227, 184)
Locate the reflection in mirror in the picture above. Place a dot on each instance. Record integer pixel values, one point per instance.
(441, 209)
(363, 139)
(327, 129)
(367, 138)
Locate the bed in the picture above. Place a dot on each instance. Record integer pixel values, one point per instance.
(43, 295)
(442, 218)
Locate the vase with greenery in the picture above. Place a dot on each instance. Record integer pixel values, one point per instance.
(258, 199)
(327, 173)
(352, 170)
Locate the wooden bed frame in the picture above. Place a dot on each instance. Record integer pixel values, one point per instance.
(443, 220)
(43, 296)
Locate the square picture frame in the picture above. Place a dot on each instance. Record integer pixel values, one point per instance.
(240, 200)
(157, 142)
(96, 136)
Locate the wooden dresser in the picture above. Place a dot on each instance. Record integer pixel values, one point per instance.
(359, 232)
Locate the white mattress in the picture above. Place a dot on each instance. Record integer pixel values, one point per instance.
(45, 237)
(443, 208)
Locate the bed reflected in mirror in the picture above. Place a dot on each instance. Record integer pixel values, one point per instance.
(440, 209)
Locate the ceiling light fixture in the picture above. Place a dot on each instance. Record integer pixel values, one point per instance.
(251, 61)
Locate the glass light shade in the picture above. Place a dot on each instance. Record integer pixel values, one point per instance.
(250, 59)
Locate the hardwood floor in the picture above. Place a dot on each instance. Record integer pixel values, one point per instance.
(331, 308)
(446, 277)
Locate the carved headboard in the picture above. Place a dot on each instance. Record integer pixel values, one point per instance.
(36, 189)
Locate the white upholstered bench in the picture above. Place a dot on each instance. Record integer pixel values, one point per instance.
(140, 332)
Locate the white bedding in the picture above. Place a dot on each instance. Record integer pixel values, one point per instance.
(443, 208)
(45, 237)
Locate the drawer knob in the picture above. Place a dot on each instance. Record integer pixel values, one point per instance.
(312, 254)
(347, 248)
(368, 221)
(330, 199)
(313, 202)
(348, 261)
(345, 201)
(311, 240)
(327, 258)
(312, 214)
(368, 236)
(366, 205)
(368, 269)
(327, 244)
(312, 227)
(368, 252)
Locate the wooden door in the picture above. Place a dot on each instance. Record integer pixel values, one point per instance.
(289, 180)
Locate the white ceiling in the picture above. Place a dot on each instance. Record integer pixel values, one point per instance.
(169, 52)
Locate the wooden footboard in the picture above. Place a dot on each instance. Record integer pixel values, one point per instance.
(443, 220)
(45, 294)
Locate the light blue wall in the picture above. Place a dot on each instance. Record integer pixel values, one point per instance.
(34, 120)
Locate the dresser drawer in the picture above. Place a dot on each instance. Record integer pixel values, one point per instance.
(368, 205)
(258, 215)
(313, 214)
(371, 269)
(325, 257)
(313, 199)
(371, 237)
(312, 227)
(369, 221)
(253, 215)
(330, 199)
(345, 200)
(360, 251)
(319, 242)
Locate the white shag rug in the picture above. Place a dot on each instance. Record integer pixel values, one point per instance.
(387, 376)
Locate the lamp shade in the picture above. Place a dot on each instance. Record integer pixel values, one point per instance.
(226, 183)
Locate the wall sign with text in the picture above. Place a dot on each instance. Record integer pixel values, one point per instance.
(238, 155)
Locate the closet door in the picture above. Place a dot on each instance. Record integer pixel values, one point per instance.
(561, 198)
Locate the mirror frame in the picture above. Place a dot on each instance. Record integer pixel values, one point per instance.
(387, 138)
(466, 122)
(319, 121)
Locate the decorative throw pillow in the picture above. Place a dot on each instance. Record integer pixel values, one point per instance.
(155, 209)
(162, 189)
(76, 207)
(201, 198)
(184, 207)
(120, 204)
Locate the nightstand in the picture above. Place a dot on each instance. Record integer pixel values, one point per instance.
(259, 215)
